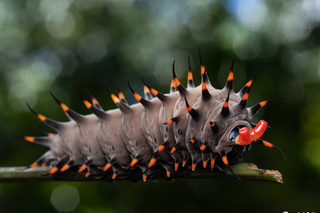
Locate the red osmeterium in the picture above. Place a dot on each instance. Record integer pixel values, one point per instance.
(246, 137)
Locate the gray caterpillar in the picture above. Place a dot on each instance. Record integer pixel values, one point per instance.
(169, 133)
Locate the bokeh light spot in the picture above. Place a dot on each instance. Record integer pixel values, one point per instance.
(92, 48)
(65, 198)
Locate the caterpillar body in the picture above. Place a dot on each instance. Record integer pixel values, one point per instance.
(170, 133)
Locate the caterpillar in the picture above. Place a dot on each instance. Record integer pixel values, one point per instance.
(168, 133)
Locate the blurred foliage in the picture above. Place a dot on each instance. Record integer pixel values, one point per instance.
(61, 45)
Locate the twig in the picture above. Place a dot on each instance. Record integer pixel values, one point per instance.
(246, 171)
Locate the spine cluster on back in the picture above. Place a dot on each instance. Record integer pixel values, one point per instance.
(169, 133)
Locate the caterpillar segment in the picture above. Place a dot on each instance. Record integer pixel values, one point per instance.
(110, 140)
(180, 120)
(166, 134)
(87, 139)
(67, 140)
(167, 141)
(132, 135)
(151, 130)
(198, 117)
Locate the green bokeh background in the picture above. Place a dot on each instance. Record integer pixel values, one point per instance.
(62, 45)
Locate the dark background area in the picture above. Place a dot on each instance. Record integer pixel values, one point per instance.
(59, 46)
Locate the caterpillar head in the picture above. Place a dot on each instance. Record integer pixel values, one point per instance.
(229, 130)
(237, 140)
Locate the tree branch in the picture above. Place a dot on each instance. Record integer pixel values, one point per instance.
(246, 171)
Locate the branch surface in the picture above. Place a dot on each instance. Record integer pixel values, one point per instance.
(245, 171)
